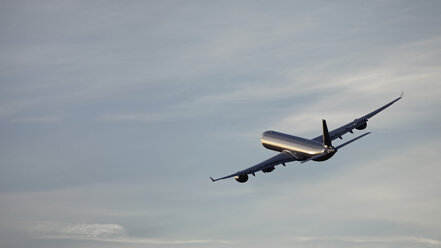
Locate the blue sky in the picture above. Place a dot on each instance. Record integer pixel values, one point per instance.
(113, 115)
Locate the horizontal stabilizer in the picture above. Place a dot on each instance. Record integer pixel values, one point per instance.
(352, 140)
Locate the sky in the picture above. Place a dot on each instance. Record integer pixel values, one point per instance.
(114, 114)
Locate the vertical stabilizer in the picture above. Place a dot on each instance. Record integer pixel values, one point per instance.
(326, 137)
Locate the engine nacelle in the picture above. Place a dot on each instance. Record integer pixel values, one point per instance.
(241, 178)
(267, 170)
(362, 126)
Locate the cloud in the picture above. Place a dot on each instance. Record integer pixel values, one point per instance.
(111, 233)
(342, 92)
(79, 231)
(132, 117)
(391, 240)
(230, 70)
(38, 119)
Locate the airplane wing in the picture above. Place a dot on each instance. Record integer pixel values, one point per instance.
(359, 123)
(281, 158)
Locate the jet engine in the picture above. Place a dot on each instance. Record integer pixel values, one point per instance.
(241, 178)
(267, 170)
(362, 126)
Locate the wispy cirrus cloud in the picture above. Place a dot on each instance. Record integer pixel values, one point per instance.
(132, 117)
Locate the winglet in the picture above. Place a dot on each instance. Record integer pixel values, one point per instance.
(212, 179)
(402, 93)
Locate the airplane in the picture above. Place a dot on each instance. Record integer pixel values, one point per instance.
(292, 148)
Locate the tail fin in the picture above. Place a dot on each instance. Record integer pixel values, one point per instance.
(326, 137)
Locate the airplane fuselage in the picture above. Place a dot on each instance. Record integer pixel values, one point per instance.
(300, 147)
